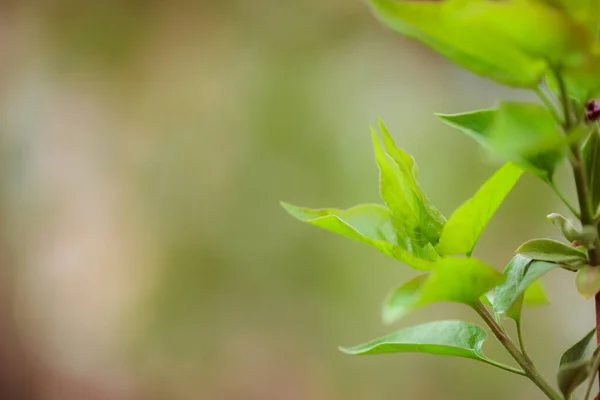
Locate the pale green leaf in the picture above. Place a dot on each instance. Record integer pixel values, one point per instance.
(432, 220)
(457, 33)
(587, 281)
(465, 226)
(444, 338)
(459, 280)
(371, 224)
(525, 133)
(535, 295)
(528, 134)
(564, 226)
(553, 251)
(476, 124)
(412, 213)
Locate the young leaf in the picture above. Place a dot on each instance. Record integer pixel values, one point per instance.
(591, 163)
(432, 220)
(463, 229)
(412, 213)
(564, 226)
(476, 124)
(460, 280)
(525, 133)
(520, 274)
(528, 134)
(586, 236)
(587, 281)
(574, 366)
(553, 251)
(444, 27)
(371, 224)
(445, 338)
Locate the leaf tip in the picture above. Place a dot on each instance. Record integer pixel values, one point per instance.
(347, 350)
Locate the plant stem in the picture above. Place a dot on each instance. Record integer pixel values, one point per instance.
(586, 212)
(521, 343)
(548, 103)
(587, 218)
(512, 349)
(564, 199)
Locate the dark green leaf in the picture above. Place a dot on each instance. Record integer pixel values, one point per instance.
(591, 162)
(371, 224)
(553, 251)
(447, 29)
(574, 366)
(465, 226)
(460, 280)
(519, 275)
(445, 338)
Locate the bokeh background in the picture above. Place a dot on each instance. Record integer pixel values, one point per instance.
(144, 148)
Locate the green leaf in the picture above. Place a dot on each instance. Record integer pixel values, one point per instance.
(587, 281)
(591, 163)
(586, 12)
(586, 236)
(411, 209)
(460, 280)
(553, 251)
(444, 338)
(564, 226)
(581, 80)
(447, 29)
(476, 124)
(371, 224)
(525, 133)
(535, 295)
(574, 366)
(520, 274)
(535, 28)
(465, 226)
(528, 134)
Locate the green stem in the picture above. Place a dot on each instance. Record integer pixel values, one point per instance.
(505, 367)
(522, 343)
(530, 370)
(595, 366)
(586, 211)
(564, 199)
(549, 104)
(565, 101)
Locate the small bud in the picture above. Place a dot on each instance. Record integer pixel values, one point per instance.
(592, 111)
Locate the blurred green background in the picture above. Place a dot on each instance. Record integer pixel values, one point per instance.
(144, 148)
